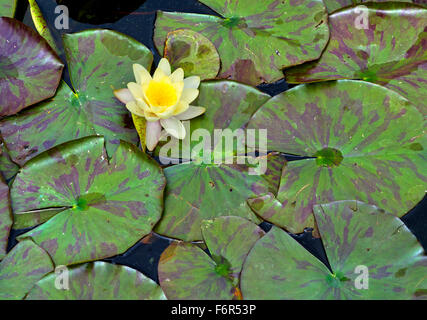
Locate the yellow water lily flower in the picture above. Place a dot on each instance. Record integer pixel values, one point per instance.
(162, 99)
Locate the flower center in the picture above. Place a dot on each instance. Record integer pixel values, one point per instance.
(328, 157)
(161, 94)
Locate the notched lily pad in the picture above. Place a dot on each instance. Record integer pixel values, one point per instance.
(373, 255)
(255, 41)
(192, 52)
(392, 51)
(364, 142)
(92, 208)
(98, 281)
(99, 62)
(198, 191)
(188, 272)
(5, 217)
(24, 265)
(7, 8)
(30, 70)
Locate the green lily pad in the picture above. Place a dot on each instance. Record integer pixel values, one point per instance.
(197, 191)
(373, 255)
(29, 69)
(333, 5)
(364, 142)
(107, 206)
(7, 8)
(5, 217)
(380, 55)
(99, 62)
(192, 52)
(24, 265)
(229, 106)
(255, 41)
(98, 281)
(187, 272)
(7, 167)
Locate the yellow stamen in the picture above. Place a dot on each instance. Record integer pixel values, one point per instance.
(161, 94)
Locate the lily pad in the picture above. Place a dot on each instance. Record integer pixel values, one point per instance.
(229, 107)
(41, 25)
(197, 191)
(107, 205)
(30, 70)
(363, 142)
(24, 265)
(7, 167)
(188, 272)
(5, 217)
(373, 255)
(7, 8)
(333, 5)
(99, 62)
(255, 41)
(98, 281)
(380, 54)
(192, 52)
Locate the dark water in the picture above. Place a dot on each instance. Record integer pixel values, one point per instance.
(136, 19)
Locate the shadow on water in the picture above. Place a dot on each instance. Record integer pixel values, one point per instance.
(92, 12)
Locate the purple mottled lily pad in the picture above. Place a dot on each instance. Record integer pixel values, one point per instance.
(187, 272)
(30, 70)
(7, 8)
(199, 191)
(23, 266)
(107, 206)
(98, 281)
(364, 142)
(99, 62)
(391, 51)
(372, 255)
(5, 217)
(255, 40)
(192, 52)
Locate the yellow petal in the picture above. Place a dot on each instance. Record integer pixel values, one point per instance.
(179, 88)
(141, 74)
(143, 105)
(191, 112)
(150, 116)
(124, 95)
(177, 76)
(136, 90)
(163, 69)
(192, 82)
(180, 108)
(133, 108)
(167, 112)
(174, 127)
(189, 95)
